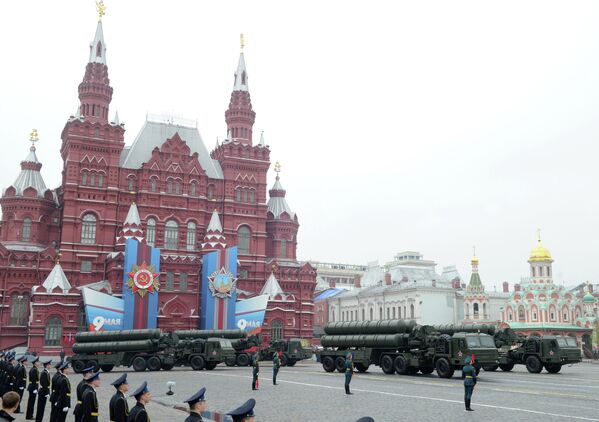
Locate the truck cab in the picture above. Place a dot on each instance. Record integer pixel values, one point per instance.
(547, 351)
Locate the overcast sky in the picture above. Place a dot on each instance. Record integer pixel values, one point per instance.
(428, 126)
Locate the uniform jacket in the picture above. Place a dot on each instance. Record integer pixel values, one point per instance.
(81, 388)
(44, 383)
(89, 407)
(54, 387)
(256, 364)
(5, 417)
(138, 414)
(63, 397)
(21, 376)
(194, 417)
(34, 379)
(469, 375)
(276, 362)
(119, 408)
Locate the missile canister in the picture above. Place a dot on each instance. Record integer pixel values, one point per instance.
(370, 340)
(231, 334)
(118, 335)
(470, 328)
(370, 327)
(116, 346)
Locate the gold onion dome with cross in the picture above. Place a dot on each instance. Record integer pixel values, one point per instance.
(540, 253)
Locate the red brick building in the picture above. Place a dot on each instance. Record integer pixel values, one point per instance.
(175, 184)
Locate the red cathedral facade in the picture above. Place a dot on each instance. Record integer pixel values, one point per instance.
(164, 187)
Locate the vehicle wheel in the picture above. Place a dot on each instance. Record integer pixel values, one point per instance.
(197, 363)
(426, 371)
(230, 361)
(154, 363)
(401, 365)
(167, 366)
(490, 368)
(340, 364)
(533, 365)
(328, 364)
(361, 367)
(78, 366)
(506, 367)
(553, 368)
(211, 365)
(106, 368)
(139, 364)
(387, 365)
(444, 369)
(93, 364)
(291, 362)
(243, 359)
(284, 359)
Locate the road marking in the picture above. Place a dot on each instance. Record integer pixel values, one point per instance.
(410, 396)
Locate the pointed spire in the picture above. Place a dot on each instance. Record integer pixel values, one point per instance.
(57, 278)
(131, 226)
(30, 176)
(229, 137)
(116, 121)
(475, 285)
(133, 216)
(277, 204)
(97, 48)
(262, 144)
(214, 238)
(217, 143)
(241, 78)
(272, 288)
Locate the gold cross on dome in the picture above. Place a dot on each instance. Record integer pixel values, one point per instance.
(33, 136)
(277, 168)
(101, 8)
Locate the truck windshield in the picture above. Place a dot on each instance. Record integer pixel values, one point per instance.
(225, 342)
(566, 342)
(481, 341)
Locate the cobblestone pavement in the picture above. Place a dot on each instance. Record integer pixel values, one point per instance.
(307, 393)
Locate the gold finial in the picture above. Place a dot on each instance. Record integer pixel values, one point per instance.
(241, 41)
(33, 138)
(539, 235)
(101, 8)
(277, 168)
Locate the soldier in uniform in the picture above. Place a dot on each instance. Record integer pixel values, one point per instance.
(244, 413)
(34, 383)
(197, 405)
(54, 393)
(63, 395)
(43, 392)
(118, 408)
(255, 370)
(349, 371)
(469, 375)
(276, 364)
(20, 380)
(90, 407)
(138, 413)
(81, 387)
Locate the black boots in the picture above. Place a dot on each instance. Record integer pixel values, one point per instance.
(468, 406)
(347, 389)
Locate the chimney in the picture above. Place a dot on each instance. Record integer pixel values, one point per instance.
(332, 283)
(506, 287)
(387, 279)
(517, 287)
(357, 281)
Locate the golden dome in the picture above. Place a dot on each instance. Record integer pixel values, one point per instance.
(540, 253)
(474, 260)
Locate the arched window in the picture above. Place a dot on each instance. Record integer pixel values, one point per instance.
(276, 330)
(99, 49)
(97, 113)
(548, 271)
(484, 310)
(252, 199)
(412, 310)
(283, 248)
(467, 310)
(153, 184)
(245, 195)
(84, 178)
(363, 314)
(169, 186)
(151, 232)
(53, 331)
(399, 312)
(18, 309)
(191, 236)
(380, 313)
(193, 189)
(26, 233)
(388, 313)
(475, 309)
(177, 187)
(210, 193)
(92, 179)
(171, 235)
(88, 229)
(100, 180)
(130, 184)
(371, 314)
(394, 312)
(238, 194)
(243, 240)
(521, 314)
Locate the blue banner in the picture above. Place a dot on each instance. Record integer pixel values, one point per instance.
(249, 314)
(103, 312)
(219, 289)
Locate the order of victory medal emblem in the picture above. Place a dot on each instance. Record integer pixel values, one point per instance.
(222, 283)
(143, 279)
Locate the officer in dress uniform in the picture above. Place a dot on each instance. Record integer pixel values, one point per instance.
(20, 380)
(244, 413)
(11, 373)
(118, 407)
(34, 384)
(43, 392)
(63, 395)
(89, 407)
(255, 370)
(469, 375)
(81, 387)
(276, 364)
(349, 371)
(138, 413)
(197, 405)
(54, 393)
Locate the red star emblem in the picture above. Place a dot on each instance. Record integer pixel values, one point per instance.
(143, 279)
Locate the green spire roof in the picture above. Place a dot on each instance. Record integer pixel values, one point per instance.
(475, 284)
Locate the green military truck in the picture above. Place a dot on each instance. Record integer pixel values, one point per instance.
(403, 347)
(535, 352)
(147, 349)
(240, 341)
(293, 350)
